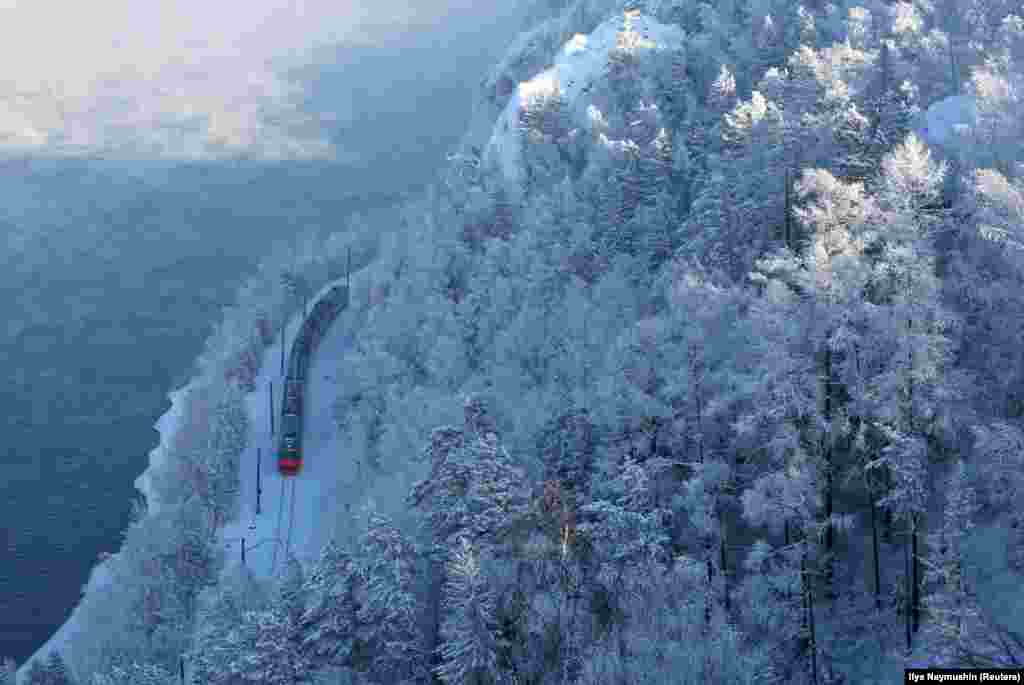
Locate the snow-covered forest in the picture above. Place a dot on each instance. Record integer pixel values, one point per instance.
(702, 363)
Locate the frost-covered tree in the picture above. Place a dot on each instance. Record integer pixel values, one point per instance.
(983, 282)
(567, 449)
(790, 497)
(8, 671)
(389, 615)
(275, 656)
(224, 634)
(890, 105)
(814, 346)
(469, 649)
(56, 670)
(950, 601)
(328, 625)
(51, 672)
(212, 465)
(36, 674)
(1001, 447)
(475, 490)
(263, 646)
(906, 459)
(475, 486)
(705, 501)
(545, 144)
(622, 531)
(135, 674)
(917, 377)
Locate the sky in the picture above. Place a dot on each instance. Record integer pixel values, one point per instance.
(191, 79)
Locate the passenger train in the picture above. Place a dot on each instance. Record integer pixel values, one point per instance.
(314, 326)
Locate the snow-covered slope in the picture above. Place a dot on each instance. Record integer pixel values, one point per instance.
(167, 426)
(578, 77)
(64, 637)
(948, 118)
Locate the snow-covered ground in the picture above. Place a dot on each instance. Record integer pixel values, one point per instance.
(946, 119)
(167, 425)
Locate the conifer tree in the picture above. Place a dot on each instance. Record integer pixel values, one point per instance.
(789, 496)
(224, 633)
(950, 604)
(8, 671)
(469, 650)
(389, 617)
(135, 674)
(37, 674)
(328, 625)
(56, 670)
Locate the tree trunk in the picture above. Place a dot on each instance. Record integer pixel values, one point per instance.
(808, 619)
(722, 565)
(827, 455)
(915, 592)
(874, 548)
(906, 593)
(711, 574)
(437, 572)
(695, 373)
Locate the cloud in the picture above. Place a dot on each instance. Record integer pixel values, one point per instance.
(184, 78)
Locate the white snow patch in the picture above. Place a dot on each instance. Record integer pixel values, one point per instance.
(61, 640)
(945, 121)
(167, 425)
(579, 66)
(577, 43)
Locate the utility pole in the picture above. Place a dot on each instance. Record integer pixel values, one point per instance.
(259, 488)
(271, 398)
(181, 663)
(243, 551)
(282, 344)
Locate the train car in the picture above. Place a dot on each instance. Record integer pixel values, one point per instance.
(289, 456)
(314, 327)
(292, 396)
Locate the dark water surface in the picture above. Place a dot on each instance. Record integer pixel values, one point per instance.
(105, 311)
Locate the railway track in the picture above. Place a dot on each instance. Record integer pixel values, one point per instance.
(289, 452)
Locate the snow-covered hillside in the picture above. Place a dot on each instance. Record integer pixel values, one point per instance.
(579, 79)
(670, 469)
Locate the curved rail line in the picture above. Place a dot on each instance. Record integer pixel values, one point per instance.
(277, 527)
(291, 522)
